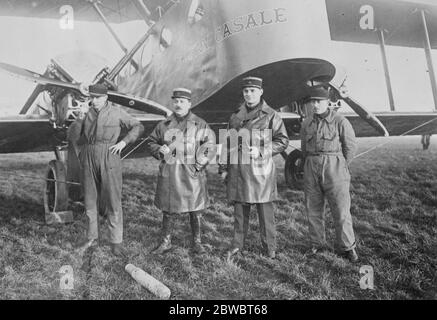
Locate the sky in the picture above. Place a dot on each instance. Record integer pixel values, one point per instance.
(31, 43)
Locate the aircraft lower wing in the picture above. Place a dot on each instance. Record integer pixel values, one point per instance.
(31, 133)
(398, 123)
(26, 134)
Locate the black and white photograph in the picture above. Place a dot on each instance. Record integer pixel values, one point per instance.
(219, 156)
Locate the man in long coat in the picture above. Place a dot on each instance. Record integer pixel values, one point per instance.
(259, 134)
(183, 143)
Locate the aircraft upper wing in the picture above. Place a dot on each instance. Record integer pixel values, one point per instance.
(356, 20)
(115, 11)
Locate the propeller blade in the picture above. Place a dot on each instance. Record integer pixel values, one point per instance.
(138, 103)
(36, 77)
(364, 114)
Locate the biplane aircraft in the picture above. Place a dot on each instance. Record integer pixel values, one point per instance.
(208, 46)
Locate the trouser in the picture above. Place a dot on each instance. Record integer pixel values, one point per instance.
(336, 192)
(167, 224)
(102, 185)
(266, 219)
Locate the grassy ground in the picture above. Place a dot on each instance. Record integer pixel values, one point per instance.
(394, 207)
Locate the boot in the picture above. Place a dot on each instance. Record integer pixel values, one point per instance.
(232, 252)
(163, 246)
(352, 255)
(118, 250)
(86, 244)
(271, 254)
(195, 229)
(165, 243)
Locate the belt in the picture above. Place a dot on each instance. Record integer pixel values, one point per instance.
(99, 143)
(315, 154)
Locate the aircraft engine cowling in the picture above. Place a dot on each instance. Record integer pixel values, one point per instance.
(66, 107)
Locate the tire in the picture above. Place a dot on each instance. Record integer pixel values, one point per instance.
(75, 192)
(56, 193)
(294, 170)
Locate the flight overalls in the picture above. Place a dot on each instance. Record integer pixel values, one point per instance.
(102, 170)
(328, 145)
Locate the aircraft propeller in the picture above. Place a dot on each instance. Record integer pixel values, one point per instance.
(130, 101)
(365, 114)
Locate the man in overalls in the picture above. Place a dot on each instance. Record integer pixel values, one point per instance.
(328, 146)
(101, 165)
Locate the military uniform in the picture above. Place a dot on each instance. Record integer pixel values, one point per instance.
(328, 145)
(181, 186)
(102, 170)
(254, 181)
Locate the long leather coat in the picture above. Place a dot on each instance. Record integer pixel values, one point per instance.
(254, 180)
(181, 185)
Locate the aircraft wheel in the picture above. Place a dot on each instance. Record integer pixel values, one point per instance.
(294, 170)
(56, 193)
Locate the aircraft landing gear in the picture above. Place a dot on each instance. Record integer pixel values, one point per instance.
(426, 140)
(294, 170)
(60, 186)
(56, 194)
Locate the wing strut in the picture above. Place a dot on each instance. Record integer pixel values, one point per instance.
(429, 57)
(120, 65)
(94, 3)
(385, 64)
(144, 11)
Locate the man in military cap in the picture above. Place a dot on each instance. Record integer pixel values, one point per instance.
(328, 146)
(184, 144)
(101, 165)
(249, 170)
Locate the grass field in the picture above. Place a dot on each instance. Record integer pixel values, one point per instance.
(394, 208)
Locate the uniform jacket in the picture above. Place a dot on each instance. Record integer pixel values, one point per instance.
(254, 181)
(331, 134)
(104, 126)
(328, 145)
(181, 185)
